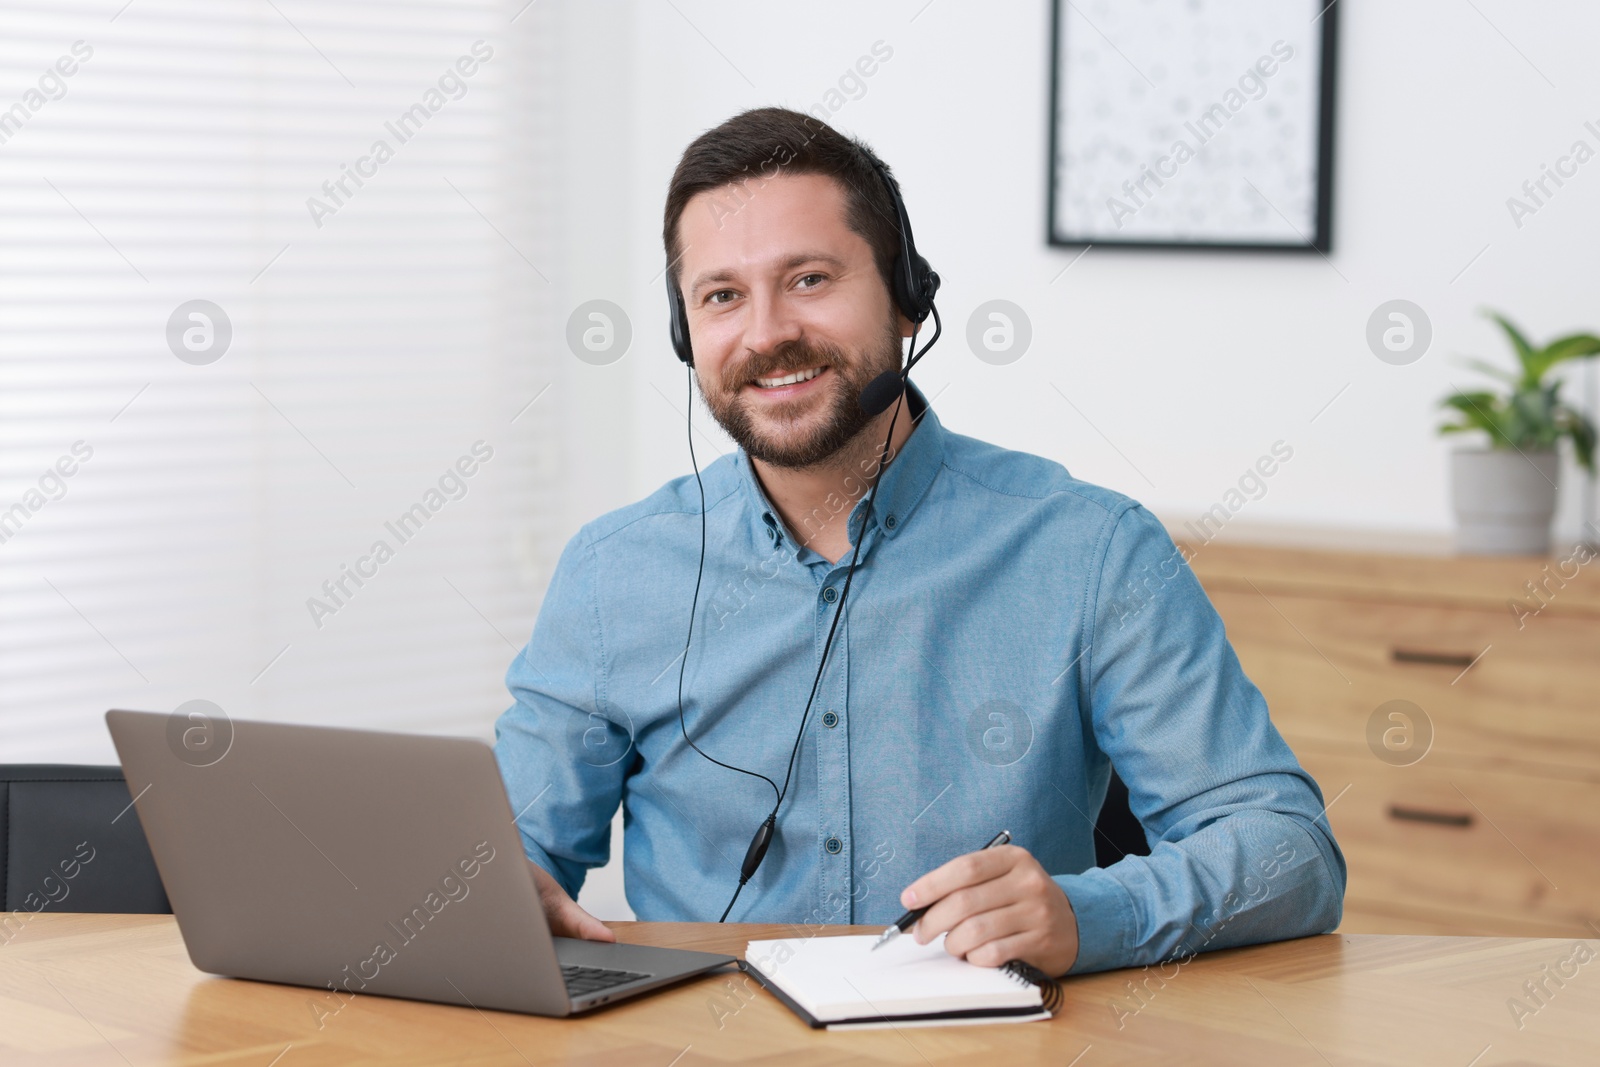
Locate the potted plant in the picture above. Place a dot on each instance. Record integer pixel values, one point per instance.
(1504, 495)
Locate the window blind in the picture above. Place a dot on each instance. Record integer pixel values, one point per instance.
(270, 297)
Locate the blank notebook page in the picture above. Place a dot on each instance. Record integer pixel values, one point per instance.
(841, 978)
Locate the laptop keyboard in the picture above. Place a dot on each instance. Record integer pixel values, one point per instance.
(581, 981)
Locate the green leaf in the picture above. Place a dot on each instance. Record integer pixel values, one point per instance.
(1479, 411)
(1509, 377)
(1518, 342)
(1577, 426)
(1575, 346)
(1471, 403)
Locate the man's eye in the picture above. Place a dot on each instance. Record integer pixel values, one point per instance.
(803, 277)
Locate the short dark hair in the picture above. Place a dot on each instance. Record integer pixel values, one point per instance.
(764, 142)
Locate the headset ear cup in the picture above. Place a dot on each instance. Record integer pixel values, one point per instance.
(915, 288)
(905, 297)
(678, 323)
(932, 279)
(913, 291)
(927, 285)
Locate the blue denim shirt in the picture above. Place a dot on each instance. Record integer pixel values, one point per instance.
(1011, 634)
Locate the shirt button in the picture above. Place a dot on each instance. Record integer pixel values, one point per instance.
(891, 522)
(830, 594)
(833, 845)
(830, 720)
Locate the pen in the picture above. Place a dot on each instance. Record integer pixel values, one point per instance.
(909, 919)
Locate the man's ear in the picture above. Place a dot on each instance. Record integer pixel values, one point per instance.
(906, 325)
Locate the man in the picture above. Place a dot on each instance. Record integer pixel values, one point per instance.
(1010, 634)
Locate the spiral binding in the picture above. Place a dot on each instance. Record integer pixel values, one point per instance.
(1049, 989)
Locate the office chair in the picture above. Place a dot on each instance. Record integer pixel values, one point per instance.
(70, 840)
(1116, 832)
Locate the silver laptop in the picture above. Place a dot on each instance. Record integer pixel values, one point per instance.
(357, 862)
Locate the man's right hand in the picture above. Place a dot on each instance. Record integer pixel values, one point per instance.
(566, 918)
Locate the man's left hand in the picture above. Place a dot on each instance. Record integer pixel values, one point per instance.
(995, 906)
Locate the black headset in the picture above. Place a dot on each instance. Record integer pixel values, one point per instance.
(913, 284)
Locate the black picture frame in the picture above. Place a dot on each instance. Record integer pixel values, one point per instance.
(1321, 241)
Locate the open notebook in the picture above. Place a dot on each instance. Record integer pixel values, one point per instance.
(839, 981)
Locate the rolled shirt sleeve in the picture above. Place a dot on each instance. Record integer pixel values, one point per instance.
(562, 758)
(1241, 850)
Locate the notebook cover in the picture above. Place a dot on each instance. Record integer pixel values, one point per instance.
(817, 1024)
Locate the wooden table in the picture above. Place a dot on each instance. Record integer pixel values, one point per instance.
(119, 989)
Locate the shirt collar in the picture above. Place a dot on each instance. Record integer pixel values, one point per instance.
(904, 482)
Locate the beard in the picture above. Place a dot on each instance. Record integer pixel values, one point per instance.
(785, 436)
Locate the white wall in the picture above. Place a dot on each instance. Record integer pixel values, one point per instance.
(1190, 364)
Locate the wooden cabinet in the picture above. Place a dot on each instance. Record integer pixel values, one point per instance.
(1449, 707)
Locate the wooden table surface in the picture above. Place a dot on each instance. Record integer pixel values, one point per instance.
(119, 989)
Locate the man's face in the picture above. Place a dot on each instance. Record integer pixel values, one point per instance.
(788, 315)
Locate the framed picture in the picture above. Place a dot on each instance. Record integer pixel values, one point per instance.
(1192, 123)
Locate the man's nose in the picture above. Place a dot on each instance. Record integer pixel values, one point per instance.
(771, 322)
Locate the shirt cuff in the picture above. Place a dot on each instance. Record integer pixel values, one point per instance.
(538, 855)
(1105, 918)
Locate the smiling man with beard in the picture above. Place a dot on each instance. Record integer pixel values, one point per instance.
(979, 676)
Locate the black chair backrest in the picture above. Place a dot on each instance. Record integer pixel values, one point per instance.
(1116, 832)
(72, 842)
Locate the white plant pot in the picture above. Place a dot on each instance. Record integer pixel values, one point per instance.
(1504, 500)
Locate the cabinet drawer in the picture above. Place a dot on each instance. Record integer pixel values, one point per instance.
(1481, 852)
(1325, 665)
